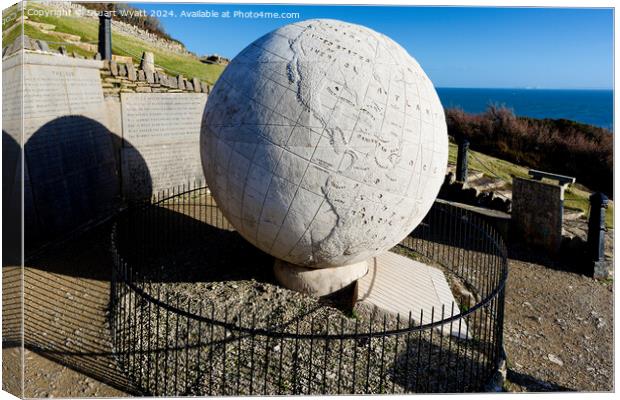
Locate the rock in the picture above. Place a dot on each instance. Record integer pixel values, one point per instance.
(555, 359)
(196, 84)
(122, 70)
(148, 62)
(114, 68)
(43, 46)
(180, 82)
(141, 75)
(131, 72)
(205, 87)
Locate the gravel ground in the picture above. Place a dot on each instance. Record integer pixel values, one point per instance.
(558, 331)
(225, 361)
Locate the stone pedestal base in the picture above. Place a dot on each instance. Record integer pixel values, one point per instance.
(318, 281)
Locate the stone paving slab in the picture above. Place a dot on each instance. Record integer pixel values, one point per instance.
(400, 285)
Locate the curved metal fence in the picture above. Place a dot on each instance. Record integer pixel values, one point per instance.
(195, 311)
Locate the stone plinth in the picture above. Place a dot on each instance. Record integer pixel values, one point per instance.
(400, 285)
(318, 281)
(537, 213)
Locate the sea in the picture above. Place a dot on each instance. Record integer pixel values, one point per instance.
(594, 107)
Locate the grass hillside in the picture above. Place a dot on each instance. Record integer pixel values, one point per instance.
(124, 45)
(575, 197)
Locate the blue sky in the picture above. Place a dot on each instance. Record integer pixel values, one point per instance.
(555, 48)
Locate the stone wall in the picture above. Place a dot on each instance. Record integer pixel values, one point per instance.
(70, 167)
(95, 135)
(117, 78)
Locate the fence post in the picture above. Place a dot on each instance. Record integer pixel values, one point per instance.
(105, 36)
(461, 161)
(596, 226)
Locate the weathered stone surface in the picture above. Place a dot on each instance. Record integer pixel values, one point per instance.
(205, 87)
(537, 209)
(71, 175)
(180, 82)
(148, 62)
(122, 70)
(141, 75)
(114, 68)
(43, 46)
(150, 77)
(188, 85)
(196, 84)
(316, 171)
(131, 72)
(400, 285)
(164, 131)
(317, 281)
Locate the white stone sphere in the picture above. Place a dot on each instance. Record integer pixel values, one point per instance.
(324, 143)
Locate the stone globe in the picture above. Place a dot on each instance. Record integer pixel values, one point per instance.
(324, 143)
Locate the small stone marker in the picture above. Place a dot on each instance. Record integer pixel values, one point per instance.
(141, 75)
(400, 285)
(114, 68)
(180, 82)
(150, 77)
(196, 83)
(205, 87)
(43, 45)
(537, 213)
(122, 70)
(131, 72)
(188, 85)
(148, 62)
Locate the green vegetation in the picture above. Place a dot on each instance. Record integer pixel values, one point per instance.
(575, 197)
(558, 146)
(124, 45)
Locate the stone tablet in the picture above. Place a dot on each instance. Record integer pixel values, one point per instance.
(537, 213)
(71, 175)
(324, 143)
(160, 141)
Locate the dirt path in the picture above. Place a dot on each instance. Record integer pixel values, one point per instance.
(558, 330)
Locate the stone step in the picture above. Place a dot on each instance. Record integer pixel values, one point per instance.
(572, 214)
(87, 46)
(486, 184)
(505, 193)
(64, 36)
(40, 25)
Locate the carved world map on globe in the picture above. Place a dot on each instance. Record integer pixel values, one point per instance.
(324, 143)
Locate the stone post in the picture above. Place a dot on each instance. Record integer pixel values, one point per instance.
(105, 36)
(461, 161)
(148, 63)
(596, 226)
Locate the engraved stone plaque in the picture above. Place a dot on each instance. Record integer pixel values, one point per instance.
(160, 141)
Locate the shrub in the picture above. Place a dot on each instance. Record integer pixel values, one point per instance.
(553, 145)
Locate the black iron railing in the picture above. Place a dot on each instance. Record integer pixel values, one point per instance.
(176, 332)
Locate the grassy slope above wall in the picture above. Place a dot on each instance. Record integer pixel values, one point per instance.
(125, 45)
